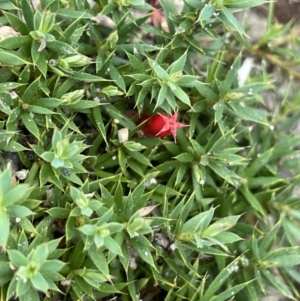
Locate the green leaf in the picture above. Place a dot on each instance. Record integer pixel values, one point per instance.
(276, 283)
(185, 158)
(178, 271)
(5, 183)
(57, 212)
(83, 105)
(218, 281)
(37, 20)
(137, 197)
(195, 4)
(187, 81)
(112, 246)
(40, 253)
(71, 29)
(252, 200)
(99, 260)
(39, 110)
(19, 211)
(142, 246)
(140, 158)
(17, 258)
(120, 116)
(73, 14)
(136, 63)
(227, 237)
(93, 277)
(83, 286)
(86, 77)
(221, 225)
(10, 86)
(243, 3)
(16, 23)
(141, 95)
(219, 108)
(12, 287)
(6, 136)
(181, 95)
(250, 89)
(141, 77)
(39, 282)
(230, 292)
(118, 197)
(6, 273)
(183, 214)
(7, 5)
(205, 14)
(31, 90)
(30, 124)
(23, 243)
(114, 227)
(4, 226)
(122, 160)
(48, 156)
(41, 63)
(266, 181)
(229, 19)
(159, 71)
(199, 222)
(12, 58)
(22, 286)
(225, 173)
(61, 47)
(230, 159)
(248, 113)
(46, 103)
(268, 240)
(181, 172)
(178, 65)
(17, 195)
(117, 77)
(88, 229)
(258, 163)
(15, 42)
(206, 91)
(133, 146)
(141, 48)
(283, 257)
(99, 122)
(27, 12)
(27, 226)
(50, 267)
(162, 95)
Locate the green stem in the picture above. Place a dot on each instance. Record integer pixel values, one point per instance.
(270, 14)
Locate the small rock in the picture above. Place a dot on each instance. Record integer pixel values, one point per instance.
(104, 21)
(7, 32)
(22, 174)
(123, 135)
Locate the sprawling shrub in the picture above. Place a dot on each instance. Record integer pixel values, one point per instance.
(105, 194)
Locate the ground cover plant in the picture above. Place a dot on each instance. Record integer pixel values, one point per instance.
(136, 165)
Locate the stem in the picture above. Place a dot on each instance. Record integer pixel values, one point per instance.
(270, 14)
(282, 65)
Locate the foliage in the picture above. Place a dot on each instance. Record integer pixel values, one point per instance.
(211, 217)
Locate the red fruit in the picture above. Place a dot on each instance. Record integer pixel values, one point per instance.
(160, 125)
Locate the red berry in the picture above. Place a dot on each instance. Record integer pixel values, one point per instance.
(160, 125)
